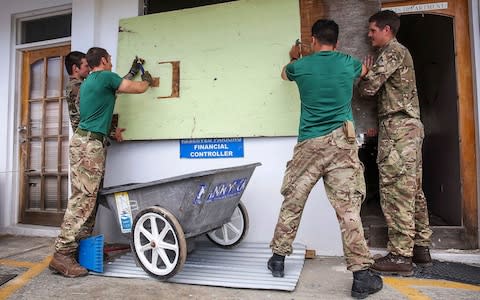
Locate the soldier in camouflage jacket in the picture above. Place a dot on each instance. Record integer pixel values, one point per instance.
(392, 78)
(77, 69)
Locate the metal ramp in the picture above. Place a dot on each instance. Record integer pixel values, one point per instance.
(242, 267)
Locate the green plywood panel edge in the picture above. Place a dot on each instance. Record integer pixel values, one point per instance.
(230, 57)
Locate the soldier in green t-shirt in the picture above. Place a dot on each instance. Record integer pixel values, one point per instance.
(77, 68)
(88, 152)
(326, 149)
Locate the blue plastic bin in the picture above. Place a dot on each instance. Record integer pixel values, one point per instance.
(90, 253)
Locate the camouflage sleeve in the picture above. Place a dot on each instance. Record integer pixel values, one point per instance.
(113, 127)
(385, 65)
(73, 99)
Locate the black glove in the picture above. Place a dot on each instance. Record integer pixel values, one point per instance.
(148, 78)
(136, 66)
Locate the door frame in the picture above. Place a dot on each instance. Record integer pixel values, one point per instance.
(458, 10)
(12, 183)
(30, 217)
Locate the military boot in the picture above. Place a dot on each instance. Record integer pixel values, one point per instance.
(392, 264)
(421, 256)
(66, 265)
(276, 265)
(365, 283)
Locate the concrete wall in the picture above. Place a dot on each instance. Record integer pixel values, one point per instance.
(95, 23)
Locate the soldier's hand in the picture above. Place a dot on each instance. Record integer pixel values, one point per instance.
(118, 134)
(136, 66)
(148, 78)
(295, 52)
(368, 61)
(372, 132)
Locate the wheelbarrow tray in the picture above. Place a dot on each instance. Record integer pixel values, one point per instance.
(201, 201)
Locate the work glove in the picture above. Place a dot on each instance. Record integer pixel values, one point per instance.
(148, 78)
(136, 66)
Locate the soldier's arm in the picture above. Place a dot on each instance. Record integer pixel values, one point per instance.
(288, 71)
(295, 53)
(74, 106)
(133, 87)
(385, 65)
(284, 73)
(116, 133)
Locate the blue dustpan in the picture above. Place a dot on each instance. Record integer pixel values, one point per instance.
(90, 253)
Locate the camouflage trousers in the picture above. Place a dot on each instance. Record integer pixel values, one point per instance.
(401, 196)
(87, 166)
(333, 158)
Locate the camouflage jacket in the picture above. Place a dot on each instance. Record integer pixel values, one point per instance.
(72, 93)
(392, 76)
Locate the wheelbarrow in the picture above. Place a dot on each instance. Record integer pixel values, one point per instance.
(159, 216)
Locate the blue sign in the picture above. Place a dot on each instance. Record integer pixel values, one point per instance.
(211, 148)
(220, 191)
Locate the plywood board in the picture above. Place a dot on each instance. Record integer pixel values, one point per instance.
(230, 57)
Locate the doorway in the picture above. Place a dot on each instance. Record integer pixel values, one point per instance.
(44, 133)
(430, 39)
(439, 42)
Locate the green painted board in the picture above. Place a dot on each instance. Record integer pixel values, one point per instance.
(230, 55)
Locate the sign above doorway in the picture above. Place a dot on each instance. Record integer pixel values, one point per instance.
(418, 7)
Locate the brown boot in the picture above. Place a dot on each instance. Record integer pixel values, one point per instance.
(66, 265)
(392, 264)
(421, 256)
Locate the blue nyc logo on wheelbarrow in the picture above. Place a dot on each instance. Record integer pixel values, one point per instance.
(220, 191)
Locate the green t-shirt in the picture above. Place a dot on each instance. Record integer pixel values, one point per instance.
(97, 100)
(325, 82)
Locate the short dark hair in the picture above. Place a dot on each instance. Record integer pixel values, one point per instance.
(94, 56)
(73, 58)
(386, 17)
(325, 31)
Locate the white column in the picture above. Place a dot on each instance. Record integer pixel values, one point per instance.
(84, 31)
(111, 11)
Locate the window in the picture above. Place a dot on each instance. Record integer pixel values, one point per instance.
(46, 28)
(155, 6)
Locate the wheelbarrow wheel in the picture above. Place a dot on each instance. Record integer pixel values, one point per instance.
(158, 242)
(232, 233)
